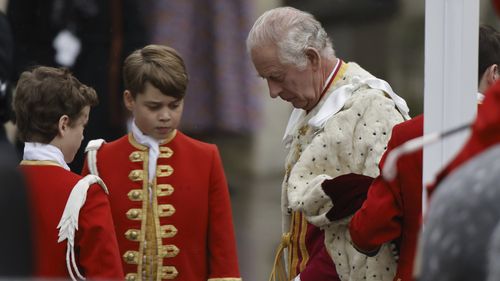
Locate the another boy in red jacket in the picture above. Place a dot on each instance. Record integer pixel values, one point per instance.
(73, 232)
(168, 192)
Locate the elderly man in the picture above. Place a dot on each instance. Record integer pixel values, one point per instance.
(335, 137)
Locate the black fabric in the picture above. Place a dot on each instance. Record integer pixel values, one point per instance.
(6, 49)
(16, 259)
(36, 23)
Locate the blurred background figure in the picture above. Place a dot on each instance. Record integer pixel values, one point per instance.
(211, 36)
(91, 38)
(15, 240)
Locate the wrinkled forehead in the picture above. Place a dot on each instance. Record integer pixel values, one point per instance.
(265, 58)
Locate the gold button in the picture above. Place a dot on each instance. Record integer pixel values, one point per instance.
(132, 234)
(136, 155)
(134, 213)
(135, 194)
(130, 257)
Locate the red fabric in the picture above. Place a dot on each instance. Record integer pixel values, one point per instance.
(496, 6)
(392, 210)
(202, 215)
(95, 241)
(320, 266)
(485, 133)
(347, 193)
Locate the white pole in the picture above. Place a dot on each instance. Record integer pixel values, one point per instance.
(451, 62)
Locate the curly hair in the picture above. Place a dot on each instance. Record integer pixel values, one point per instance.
(42, 96)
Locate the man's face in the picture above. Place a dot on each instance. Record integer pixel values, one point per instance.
(156, 115)
(296, 86)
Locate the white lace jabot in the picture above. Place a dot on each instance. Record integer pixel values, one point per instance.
(152, 144)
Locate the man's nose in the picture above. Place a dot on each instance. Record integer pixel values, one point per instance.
(274, 89)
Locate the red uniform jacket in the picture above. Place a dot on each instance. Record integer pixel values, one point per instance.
(179, 226)
(49, 186)
(485, 133)
(392, 210)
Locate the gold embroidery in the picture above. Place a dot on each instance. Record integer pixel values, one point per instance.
(131, 257)
(135, 195)
(134, 143)
(136, 156)
(164, 189)
(164, 170)
(294, 249)
(39, 163)
(157, 231)
(169, 272)
(134, 214)
(303, 130)
(165, 152)
(142, 235)
(152, 244)
(169, 251)
(168, 231)
(136, 175)
(131, 277)
(166, 210)
(302, 244)
(133, 234)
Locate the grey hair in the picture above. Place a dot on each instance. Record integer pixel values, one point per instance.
(293, 31)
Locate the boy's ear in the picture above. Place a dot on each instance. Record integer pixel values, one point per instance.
(128, 100)
(63, 125)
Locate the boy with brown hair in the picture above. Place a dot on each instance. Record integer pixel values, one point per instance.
(168, 192)
(52, 108)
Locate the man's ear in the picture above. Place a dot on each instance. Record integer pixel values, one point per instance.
(63, 125)
(313, 57)
(496, 74)
(128, 100)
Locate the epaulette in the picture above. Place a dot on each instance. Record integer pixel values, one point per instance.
(91, 150)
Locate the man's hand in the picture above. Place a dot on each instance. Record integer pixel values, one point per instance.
(347, 192)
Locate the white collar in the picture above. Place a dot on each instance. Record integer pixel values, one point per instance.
(298, 113)
(479, 98)
(44, 152)
(154, 149)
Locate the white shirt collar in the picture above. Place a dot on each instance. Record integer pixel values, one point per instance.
(479, 98)
(36, 151)
(152, 144)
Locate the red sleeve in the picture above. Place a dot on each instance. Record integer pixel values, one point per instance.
(379, 218)
(223, 261)
(96, 239)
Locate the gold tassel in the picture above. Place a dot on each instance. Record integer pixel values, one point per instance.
(278, 273)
